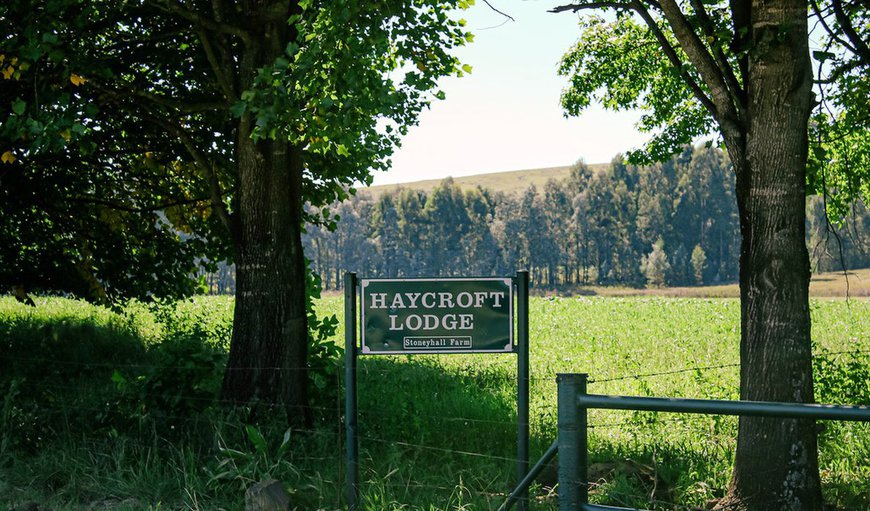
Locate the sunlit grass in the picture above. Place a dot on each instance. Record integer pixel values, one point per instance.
(436, 432)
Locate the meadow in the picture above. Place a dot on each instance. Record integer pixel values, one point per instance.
(116, 410)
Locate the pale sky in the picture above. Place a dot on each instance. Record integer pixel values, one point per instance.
(506, 115)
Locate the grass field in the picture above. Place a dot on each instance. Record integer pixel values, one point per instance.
(851, 284)
(105, 410)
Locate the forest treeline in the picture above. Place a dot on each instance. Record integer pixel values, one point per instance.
(669, 224)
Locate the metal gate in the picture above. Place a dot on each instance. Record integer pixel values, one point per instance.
(572, 442)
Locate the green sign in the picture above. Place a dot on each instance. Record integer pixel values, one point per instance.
(437, 315)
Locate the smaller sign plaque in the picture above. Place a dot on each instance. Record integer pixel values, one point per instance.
(401, 316)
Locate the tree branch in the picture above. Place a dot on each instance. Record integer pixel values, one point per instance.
(726, 112)
(224, 46)
(741, 18)
(674, 58)
(184, 107)
(831, 33)
(837, 73)
(862, 51)
(199, 157)
(126, 43)
(202, 161)
(721, 106)
(89, 199)
(591, 6)
(221, 74)
(738, 94)
(508, 16)
(670, 51)
(202, 21)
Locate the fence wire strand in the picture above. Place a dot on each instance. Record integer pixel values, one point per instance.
(490, 376)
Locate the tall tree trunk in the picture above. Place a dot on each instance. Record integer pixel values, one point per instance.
(269, 351)
(776, 464)
(268, 355)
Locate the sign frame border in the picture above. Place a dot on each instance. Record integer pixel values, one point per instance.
(510, 347)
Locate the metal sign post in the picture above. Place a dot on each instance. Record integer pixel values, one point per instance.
(452, 315)
(350, 404)
(522, 348)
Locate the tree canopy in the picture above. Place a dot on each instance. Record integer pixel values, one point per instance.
(840, 129)
(119, 154)
(612, 64)
(222, 119)
(93, 203)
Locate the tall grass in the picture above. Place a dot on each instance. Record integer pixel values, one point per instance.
(117, 410)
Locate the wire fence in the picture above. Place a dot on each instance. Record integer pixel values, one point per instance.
(436, 453)
(397, 368)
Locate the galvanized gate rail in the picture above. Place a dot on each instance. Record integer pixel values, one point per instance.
(574, 402)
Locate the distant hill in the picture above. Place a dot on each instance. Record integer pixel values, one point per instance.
(511, 182)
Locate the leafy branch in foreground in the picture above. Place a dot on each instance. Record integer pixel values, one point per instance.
(256, 107)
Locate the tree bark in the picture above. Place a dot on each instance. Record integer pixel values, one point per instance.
(269, 351)
(776, 463)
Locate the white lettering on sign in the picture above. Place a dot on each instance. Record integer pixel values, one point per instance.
(397, 302)
(496, 298)
(432, 322)
(412, 343)
(441, 300)
(379, 300)
(464, 296)
(437, 315)
(479, 297)
(412, 298)
(446, 300)
(426, 303)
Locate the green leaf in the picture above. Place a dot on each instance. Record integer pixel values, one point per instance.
(234, 453)
(118, 378)
(466, 68)
(238, 108)
(256, 438)
(285, 443)
(19, 106)
(822, 56)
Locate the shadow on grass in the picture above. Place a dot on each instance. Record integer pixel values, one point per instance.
(75, 370)
(55, 372)
(434, 433)
(65, 346)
